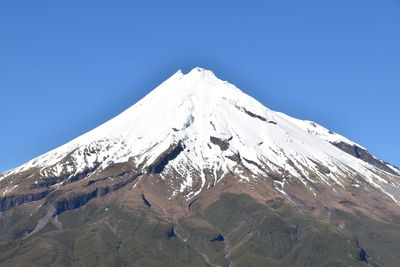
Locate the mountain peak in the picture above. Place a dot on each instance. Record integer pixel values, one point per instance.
(196, 75)
(201, 72)
(216, 128)
(197, 160)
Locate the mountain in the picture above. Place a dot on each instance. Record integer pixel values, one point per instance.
(198, 173)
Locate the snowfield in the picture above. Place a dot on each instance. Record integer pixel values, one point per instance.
(213, 121)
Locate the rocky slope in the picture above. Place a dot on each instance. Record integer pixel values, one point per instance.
(199, 167)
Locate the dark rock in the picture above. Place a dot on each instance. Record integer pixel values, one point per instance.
(253, 163)
(171, 233)
(223, 144)
(218, 238)
(8, 202)
(75, 202)
(108, 177)
(347, 203)
(362, 255)
(105, 190)
(119, 185)
(166, 157)
(145, 201)
(83, 174)
(92, 182)
(321, 168)
(49, 181)
(251, 114)
(212, 124)
(79, 201)
(364, 155)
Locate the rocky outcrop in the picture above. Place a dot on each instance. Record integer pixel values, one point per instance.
(49, 181)
(166, 157)
(105, 190)
(171, 233)
(145, 201)
(364, 155)
(75, 202)
(82, 174)
(90, 182)
(253, 115)
(223, 144)
(218, 238)
(8, 202)
(78, 201)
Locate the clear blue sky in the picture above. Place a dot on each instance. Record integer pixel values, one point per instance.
(68, 66)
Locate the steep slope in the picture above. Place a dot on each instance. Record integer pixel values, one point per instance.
(178, 156)
(211, 121)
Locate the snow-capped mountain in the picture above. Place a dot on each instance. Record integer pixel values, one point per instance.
(198, 173)
(209, 125)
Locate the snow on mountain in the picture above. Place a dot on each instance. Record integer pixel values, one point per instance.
(208, 122)
(318, 130)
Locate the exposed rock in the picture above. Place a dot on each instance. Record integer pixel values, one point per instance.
(80, 200)
(321, 168)
(218, 238)
(42, 221)
(145, 201)
(8, 202)
(171, 233)
(83, 174)
(223, 144)
(90, 182)
(166, 157)
(75, 202)
(253, 115)
(364, 155)
(49, 181)
(362, 255)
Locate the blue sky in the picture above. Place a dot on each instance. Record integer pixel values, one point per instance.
(68, 66)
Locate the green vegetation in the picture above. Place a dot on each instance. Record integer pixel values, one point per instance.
(278, 235)
(92, 236)
(254, 234)
(380, 239)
